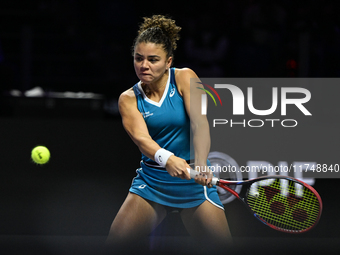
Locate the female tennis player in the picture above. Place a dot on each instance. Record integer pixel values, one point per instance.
(157, 116)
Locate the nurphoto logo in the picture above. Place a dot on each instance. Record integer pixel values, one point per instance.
(301, 97)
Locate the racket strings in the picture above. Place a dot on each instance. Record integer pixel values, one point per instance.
(284, 204)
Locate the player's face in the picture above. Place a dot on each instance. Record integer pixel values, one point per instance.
(150, 62)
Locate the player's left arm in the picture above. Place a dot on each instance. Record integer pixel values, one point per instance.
(199, 122)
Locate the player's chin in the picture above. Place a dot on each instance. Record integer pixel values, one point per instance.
(146, 79)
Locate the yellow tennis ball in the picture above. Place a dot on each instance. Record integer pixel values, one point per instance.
(40, 155)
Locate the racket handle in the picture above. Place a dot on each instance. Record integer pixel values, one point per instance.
(193, 174)
(214, 181)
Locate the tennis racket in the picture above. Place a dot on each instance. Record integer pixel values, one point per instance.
(280, 202)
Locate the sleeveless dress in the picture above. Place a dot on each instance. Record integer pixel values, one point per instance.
(169, 125)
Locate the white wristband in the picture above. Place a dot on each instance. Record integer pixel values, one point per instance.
(162, 156)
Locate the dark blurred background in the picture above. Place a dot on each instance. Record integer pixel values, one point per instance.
(72, 45)
(63, 64)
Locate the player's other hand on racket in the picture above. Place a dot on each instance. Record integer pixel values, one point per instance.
(204, 176)
(177, 167)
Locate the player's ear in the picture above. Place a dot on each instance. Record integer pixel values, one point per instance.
(169, 62)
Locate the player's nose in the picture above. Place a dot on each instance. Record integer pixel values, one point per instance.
(144, 64)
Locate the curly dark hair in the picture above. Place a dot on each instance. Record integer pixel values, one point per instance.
(159, 30)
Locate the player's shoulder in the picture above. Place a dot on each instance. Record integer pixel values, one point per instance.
(183, 76)
(184, 73)
(127, 97)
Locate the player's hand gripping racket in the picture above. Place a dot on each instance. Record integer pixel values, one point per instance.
(280, 202)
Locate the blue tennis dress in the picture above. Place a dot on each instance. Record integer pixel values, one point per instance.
(168, 125)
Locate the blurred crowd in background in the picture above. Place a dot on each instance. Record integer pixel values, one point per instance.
(73, 45)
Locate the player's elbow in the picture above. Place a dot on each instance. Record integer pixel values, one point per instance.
(198, 125)
(141, 140)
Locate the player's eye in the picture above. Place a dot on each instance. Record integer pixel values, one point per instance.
(138, 58)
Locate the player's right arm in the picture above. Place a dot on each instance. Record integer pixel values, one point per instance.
(135, 126)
